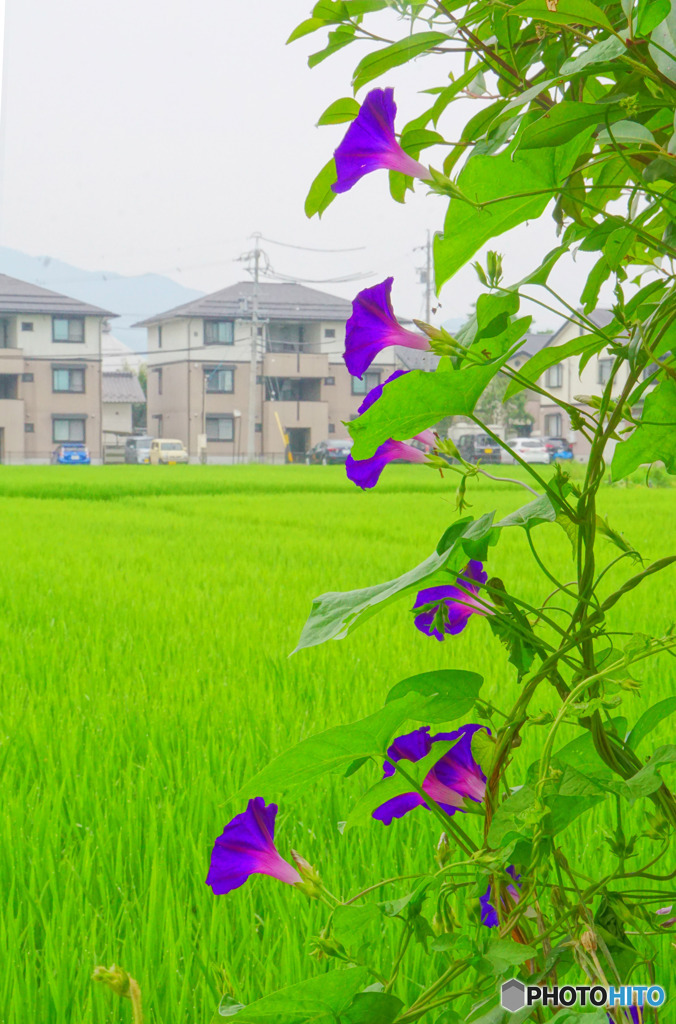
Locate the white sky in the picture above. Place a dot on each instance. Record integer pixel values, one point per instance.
(157, 135)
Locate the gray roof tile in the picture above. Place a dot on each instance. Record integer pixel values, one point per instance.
(275, 302)
(121, 387)
(532, 343)
(22, 297)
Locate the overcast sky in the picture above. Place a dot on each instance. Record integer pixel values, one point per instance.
(157, 135)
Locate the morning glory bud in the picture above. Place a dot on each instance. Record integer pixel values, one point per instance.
(443, 850)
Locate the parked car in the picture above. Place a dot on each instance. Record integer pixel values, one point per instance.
(558, 448)
(137, 450)
(166, 451)
(71, 455)
(529, 449)
(475, 447)
(329, 453)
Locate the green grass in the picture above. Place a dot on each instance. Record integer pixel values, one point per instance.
(147, 617)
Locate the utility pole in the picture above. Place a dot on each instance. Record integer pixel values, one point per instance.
(251, 434)
(426, 275)
(428, 278)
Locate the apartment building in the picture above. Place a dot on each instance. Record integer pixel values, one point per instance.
(50, 372)
(200, 368)
(572, 384)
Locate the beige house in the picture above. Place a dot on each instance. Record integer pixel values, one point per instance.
(200, 365)
(573, 385)
(120, 391)
(50, 372)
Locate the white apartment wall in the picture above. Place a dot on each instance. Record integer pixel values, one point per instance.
(586, 381)
(37, 343)
(183, 339)
(117, 419)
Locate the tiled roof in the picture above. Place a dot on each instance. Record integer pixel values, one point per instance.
(21, 297)
(600, 317)
(414, 359)
(275, 302)
(532, 343)
(121, 387)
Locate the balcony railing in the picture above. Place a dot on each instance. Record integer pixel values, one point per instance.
(295, 364)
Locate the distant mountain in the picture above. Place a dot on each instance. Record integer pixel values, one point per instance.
(133, 298)
(454, 324)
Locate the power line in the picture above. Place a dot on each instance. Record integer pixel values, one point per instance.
(318, 280)
(307, 248)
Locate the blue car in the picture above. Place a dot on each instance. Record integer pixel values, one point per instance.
(71, 455)
(559, 449)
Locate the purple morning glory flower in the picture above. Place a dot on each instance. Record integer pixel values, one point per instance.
(365, 473)
(370, 144)
(246, 848)
(447, 608)
(375, 393)
(455, 777)
(635, 1014)
(489, 915)
(373, 327)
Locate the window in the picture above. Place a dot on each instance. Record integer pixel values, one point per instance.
(218, 332)
(553, 425)
(292, 389)
(8, 385)
(370, 380)
(220, 380)
(259, 428)
(330, 332)
(605, 367)
(4, 334)
(332, 428)
(554, 376)
(27, 378)
(29, 428)
(329, 381)
(159, 335)
(159, 381)
(68, 378)
(220, 428)
(285, 337)
(26, 325)
(68, 428)
(67, 330)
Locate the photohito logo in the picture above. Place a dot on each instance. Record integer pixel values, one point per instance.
(514, 995)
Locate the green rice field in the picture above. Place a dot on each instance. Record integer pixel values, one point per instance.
(147, 615)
